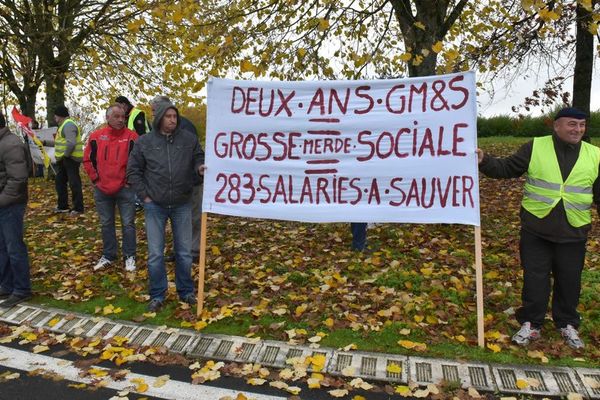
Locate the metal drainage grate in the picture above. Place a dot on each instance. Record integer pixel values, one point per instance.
(595, 390)
(343, 361)
(223, 348)
(368, 366)
(107, 327)
(508, 378)
(180, 343)
(293, 353)
(541, 387)
(124, 331)
(85, 328)
(477, 375)
(161, 339)
(564, 382)
(245, 351)
(450, 373)
(57, 318)
(393, 375)
(202, 345)
(39, 318)
(270, 355)
(424, 372)
(141, 336)
(70, 324)
(20, 317)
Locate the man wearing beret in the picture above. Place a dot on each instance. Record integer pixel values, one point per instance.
(561, 185)
(68, 151)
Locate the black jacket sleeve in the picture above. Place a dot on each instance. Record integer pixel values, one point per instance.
(135, 171)
(512, 166)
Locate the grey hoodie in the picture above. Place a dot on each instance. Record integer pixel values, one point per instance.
(162, 167)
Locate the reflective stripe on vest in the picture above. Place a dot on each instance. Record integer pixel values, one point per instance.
(132, 116)
(60, 143)
(544, 186)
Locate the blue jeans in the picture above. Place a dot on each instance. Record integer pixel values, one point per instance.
(359, 235)
(181, 222)
(105, 205)
(14, 261)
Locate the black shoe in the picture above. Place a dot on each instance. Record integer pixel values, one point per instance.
(155, 305)
(13, 300)
(4, 294)
(170, 258)
(190, 299)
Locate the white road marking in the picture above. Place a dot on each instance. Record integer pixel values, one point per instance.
(25, 361)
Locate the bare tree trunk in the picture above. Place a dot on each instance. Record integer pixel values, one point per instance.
(55, 94)
(584, 61)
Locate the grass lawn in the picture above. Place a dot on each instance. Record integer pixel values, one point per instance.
(263, 278)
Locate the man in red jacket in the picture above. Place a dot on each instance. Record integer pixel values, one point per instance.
(105, 161)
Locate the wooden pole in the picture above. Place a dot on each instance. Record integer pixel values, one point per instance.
(202, 263)
(479, 288)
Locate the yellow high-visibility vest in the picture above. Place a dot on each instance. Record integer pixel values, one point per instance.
(60, 143)
(544, 186)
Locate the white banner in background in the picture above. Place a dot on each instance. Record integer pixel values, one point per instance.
(400, 150)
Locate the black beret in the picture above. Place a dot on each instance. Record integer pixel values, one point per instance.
(570, 112)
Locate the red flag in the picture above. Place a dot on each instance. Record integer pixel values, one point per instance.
(20, 118)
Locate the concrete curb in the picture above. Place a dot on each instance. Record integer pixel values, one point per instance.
(499, 378)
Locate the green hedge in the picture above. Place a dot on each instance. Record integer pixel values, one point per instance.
(503, 125)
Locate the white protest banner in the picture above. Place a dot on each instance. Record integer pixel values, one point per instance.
(398, 150)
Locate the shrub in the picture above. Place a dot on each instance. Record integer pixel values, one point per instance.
(504, 125)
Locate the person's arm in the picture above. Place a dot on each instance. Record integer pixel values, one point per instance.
(90, 160)
(135, 171)
(198, 158)
(70, 132)
(512, 166)
(15, 163)
(596, 191)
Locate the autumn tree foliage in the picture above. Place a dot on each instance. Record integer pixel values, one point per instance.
(60, 42)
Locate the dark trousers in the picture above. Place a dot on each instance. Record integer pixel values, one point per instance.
(14, 260)
(542, 260)
(359, 235)
(67, 172)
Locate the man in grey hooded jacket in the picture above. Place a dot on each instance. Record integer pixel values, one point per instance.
(162, 169)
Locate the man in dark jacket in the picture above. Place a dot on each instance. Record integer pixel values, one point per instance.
(187, 125)
(561, 186)
(15, 283)
(162, 169)
(105, 161)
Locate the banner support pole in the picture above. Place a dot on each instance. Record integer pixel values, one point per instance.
(202, 264)
(479, 288)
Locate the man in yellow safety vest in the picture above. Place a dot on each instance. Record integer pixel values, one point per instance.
(136, 118)
(68, 151)
(560, 188)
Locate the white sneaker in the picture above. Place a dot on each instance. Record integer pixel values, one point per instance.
(130, 264)
(104, 262)
(571, 336)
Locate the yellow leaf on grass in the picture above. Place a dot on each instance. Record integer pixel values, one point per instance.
(494, 347)
(418, 318)
(300, 309)
(149, 315)
(329, 322)
(215, 251)
(437, 47)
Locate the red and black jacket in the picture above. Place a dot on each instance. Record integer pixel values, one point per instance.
(105, 158)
